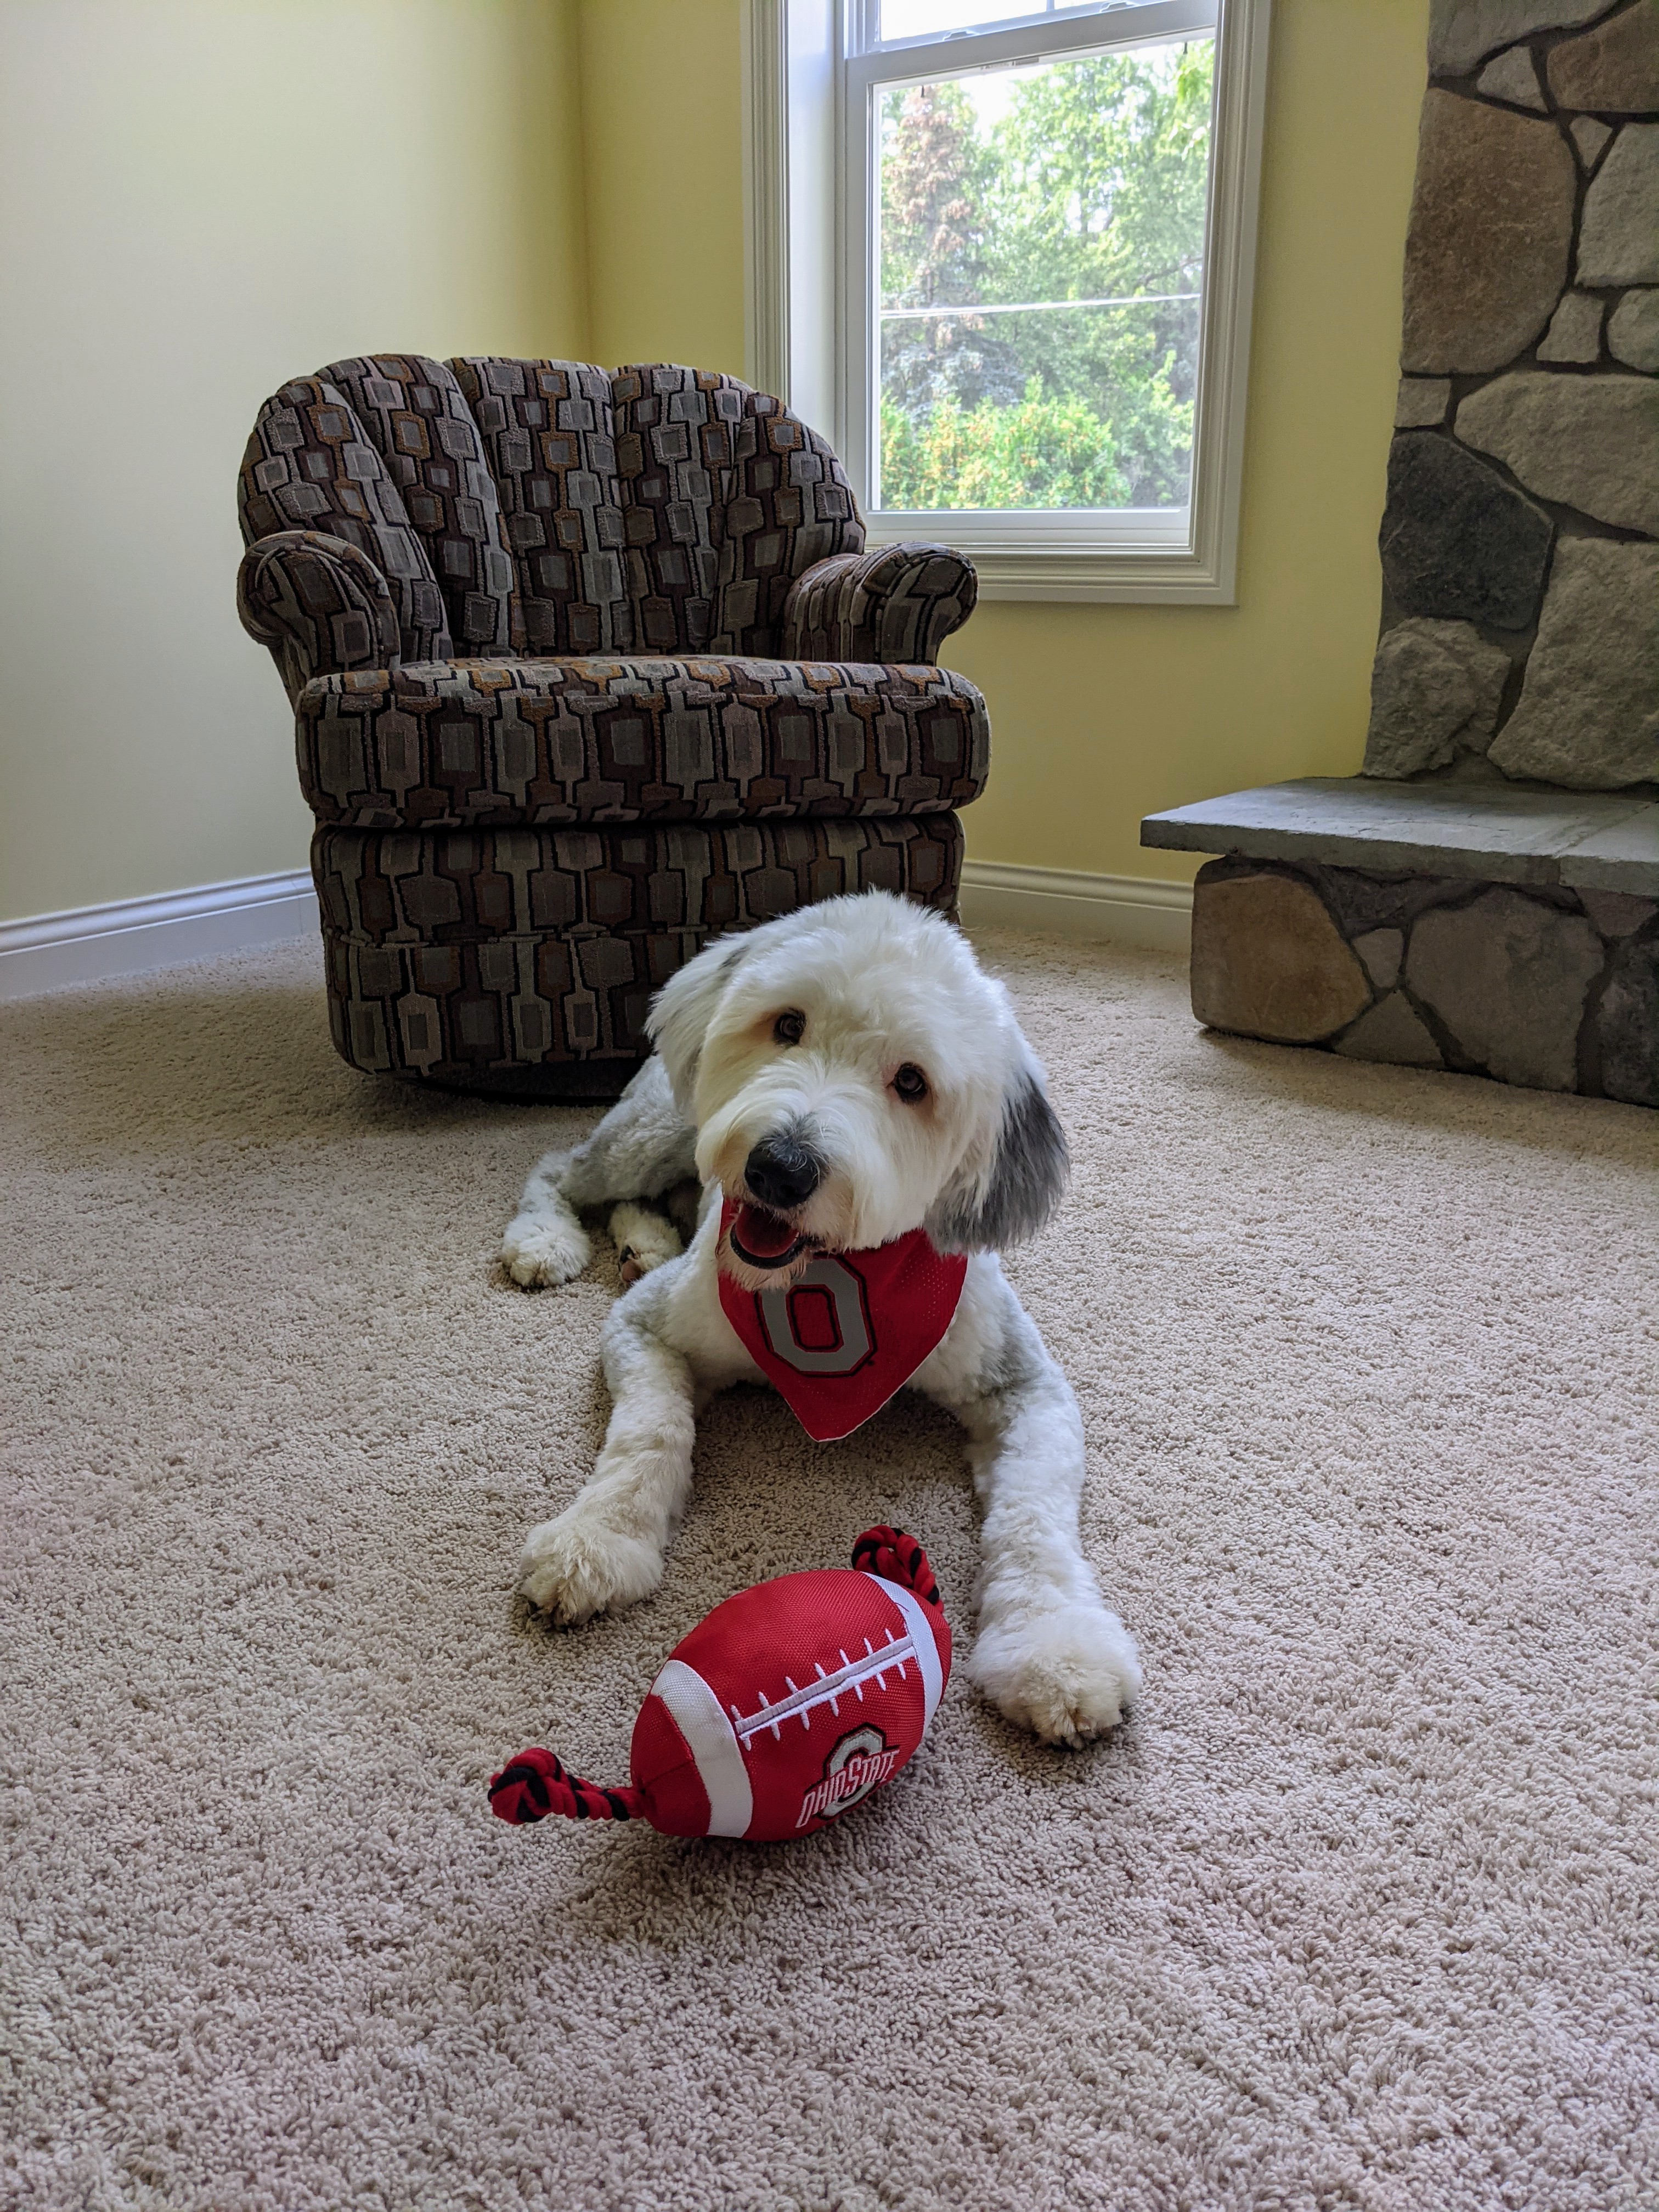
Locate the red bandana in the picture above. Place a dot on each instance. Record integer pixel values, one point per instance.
(850, 1330)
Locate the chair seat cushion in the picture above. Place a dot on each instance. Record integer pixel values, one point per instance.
(474, 956)
(452, 744)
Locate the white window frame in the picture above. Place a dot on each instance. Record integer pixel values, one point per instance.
(808, 177)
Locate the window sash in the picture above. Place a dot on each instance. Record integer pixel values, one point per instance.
(865, 76)
(1113, 26)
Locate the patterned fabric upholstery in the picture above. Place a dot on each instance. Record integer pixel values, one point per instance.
(442, 745)
(896, 603)
(419, 424)
(676, 436)
(548, 430)
(786, 506)
(309, 466)
(494, 958)
(587, 665)
(319, 603)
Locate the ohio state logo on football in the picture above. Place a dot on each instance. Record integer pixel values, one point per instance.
(862, 1759)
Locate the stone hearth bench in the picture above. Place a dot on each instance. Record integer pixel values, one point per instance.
(1512, 934)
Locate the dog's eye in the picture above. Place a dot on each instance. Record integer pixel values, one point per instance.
(910, 1084)
(790, 1028)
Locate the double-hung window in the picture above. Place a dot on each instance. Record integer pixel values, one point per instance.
(1001, 254)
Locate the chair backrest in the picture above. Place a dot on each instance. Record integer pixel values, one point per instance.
(551, 507)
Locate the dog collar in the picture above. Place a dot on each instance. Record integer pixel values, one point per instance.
(850, 1330)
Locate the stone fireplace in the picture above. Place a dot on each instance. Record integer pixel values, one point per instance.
(1485, 896)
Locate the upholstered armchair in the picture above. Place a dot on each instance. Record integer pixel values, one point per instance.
(586, 666)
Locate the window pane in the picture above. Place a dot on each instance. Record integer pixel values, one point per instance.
(924, 19)
(1041, 262)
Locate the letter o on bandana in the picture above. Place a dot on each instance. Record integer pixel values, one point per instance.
(819, 1325)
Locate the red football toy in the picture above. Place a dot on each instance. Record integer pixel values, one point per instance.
(781, 1711)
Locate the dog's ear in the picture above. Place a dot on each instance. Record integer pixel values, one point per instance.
(683, 1009)
(1012, 1195)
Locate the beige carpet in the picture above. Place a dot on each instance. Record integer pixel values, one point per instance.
(1359, 1912)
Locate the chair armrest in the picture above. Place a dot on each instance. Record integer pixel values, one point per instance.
(320, 605)
(892, 604)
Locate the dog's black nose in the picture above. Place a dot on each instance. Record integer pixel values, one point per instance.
(782, 1173)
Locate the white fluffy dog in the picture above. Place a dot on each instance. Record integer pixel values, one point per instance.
(845, 1075)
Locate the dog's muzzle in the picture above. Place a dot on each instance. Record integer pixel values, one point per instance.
(780, 1175)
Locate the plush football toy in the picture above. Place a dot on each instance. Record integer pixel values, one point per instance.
(781, 1709)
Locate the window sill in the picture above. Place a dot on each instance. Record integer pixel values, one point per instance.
(1131, 558)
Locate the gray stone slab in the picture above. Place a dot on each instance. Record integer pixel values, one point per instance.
(1507, 975)
(1609, 840)
(1623, 856)
(1627, 1022)
(1488, 237)
(1618, 235)
(1381, 950)
(1436, 685)
(1614, 69)
(1575, 331)
(1269, 961)
(1512, 77)
(1591, 442)
(1633, 331)
(1588, 717)
(1615, 913)
(1459, 543)
(1421, 402)
(1391, 1031)
(1462, 32)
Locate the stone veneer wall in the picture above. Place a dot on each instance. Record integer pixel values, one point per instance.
(1552, 988)
(1520, 575)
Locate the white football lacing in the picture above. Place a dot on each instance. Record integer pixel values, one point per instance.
(848, 1680)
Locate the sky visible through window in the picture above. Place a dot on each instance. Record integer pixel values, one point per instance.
(1041, 267)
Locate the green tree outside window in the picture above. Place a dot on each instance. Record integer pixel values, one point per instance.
(1089, 184)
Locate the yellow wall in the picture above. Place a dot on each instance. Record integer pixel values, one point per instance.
(197, 199)
(662, 137)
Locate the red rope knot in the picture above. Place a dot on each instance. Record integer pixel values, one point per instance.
(535, 1784)
(896, 1557)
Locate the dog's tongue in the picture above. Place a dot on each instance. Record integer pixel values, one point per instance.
(764, 1234)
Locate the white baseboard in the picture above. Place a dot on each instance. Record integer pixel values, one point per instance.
(94, 944)
(1144, 910)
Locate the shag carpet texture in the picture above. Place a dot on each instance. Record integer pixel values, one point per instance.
(1357, 1911)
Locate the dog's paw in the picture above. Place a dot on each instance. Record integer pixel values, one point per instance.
(643, 1239)
(576, 1565)
(1066, 1675)
(544, 1248)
